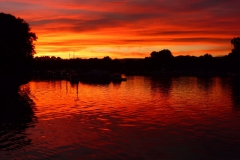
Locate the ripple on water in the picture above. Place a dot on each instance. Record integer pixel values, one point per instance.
(142, 118)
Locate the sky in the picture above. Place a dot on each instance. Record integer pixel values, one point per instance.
(128, 28)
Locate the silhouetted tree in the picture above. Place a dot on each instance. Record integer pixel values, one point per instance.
(207, 56)
(107, 58)
(236, 44)
(163, 54)
(236, 47)
(160, 59)
(16, 51)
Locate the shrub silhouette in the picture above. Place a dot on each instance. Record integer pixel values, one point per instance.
(236, 47)
(16, 52)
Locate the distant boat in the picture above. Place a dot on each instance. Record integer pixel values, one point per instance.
(117, 78)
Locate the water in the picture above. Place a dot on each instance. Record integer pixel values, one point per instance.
(142, 118)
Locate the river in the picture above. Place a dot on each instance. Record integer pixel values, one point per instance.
(143, 118)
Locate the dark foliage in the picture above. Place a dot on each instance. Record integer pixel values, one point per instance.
(164, 54)
(16, 51)
(160, 63)
(52, 63)
(16, 116)
(236, 47)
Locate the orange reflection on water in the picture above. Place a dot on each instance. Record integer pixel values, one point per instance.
(133, 117)
(57, 99)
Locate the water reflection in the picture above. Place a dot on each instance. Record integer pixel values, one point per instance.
(235, 84)
(161, 84)
(231, 86)
(142, 118)
(205, 83)
(75, 86)
(16, 115)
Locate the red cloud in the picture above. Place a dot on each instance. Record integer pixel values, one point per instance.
(62, 24)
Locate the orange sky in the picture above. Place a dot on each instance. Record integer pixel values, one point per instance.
(129, 28)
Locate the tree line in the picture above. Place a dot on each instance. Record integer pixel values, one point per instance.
(17, 61)
(17, 50)
(158, 62)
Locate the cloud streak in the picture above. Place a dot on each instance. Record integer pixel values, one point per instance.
(90, 26)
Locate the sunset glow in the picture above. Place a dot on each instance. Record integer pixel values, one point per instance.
(128, 28)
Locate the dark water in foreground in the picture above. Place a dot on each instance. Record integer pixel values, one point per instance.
(142, 118)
